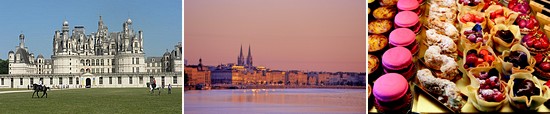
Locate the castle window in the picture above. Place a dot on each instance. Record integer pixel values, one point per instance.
(137, 60)
(137, 69)
(162, 79)
(119, 80)
(133, 61)
(2, 81)
(51, 81)
(140, 80)
(175, 78)
(110, 80)
(20, 81)
(77, 82)
(32, 81)
(100, 80)
(130, 80)
(70, 80)
(60, 81)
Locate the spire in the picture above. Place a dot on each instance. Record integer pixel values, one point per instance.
(100, 23)
(240, 60)
(249, 54)
(22, 40)
(249, 57)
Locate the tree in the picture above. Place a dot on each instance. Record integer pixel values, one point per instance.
(4, 66)
(186, 79)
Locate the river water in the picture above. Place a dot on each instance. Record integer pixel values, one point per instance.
(275, 101)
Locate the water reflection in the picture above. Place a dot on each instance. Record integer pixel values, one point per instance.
(276, 100)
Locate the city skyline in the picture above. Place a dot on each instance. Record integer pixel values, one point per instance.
(302, 35)
(38, 21)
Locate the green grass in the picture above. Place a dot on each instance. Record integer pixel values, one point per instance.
(12, 89)
(97, 100)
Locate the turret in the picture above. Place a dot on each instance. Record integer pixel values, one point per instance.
(11, 57)
(22, 40)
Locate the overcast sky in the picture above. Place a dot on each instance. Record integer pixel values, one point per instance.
(161, 21)
(308, 35)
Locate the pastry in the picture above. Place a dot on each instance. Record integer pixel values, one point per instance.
(474, 59)
(518, 59)
(527, 23)
(398, 60)
(405, 38)
(373, 63)
(377, 42)
(475, 34)
(536, 42)
(447, 45)
(521, 6)
(526, 92)
(446, 91)
(388, 2)
(489, 88)
(384, 12)
(445, 64)
(380, 26)
(505, 36)
(392, 95)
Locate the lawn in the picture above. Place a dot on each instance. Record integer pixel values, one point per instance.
(12, 89)
(96, 100)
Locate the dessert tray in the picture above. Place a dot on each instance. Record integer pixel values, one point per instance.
(503, 28)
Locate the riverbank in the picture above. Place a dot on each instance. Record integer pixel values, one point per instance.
(279, 87)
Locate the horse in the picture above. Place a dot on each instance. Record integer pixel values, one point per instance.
(153, 88)
(38, 88)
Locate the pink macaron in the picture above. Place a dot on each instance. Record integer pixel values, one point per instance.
(407, 19)
(405, 38)
(398, 60)
(390, 87)
(409, 5)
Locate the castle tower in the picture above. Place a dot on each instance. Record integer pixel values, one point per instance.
(249, 58)
(22, 41)
(240, 60)
(65, 35)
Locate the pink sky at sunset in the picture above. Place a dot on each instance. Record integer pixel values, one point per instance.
(307, 35)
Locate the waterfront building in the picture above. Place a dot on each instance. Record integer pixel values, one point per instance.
(244, 73)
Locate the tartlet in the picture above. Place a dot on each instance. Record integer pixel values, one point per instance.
(373, 63)
(377, 42)
(381, 26)
(388, 2)
(385, 12)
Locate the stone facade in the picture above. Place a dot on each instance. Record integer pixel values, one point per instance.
(114, 80)
(96, 56)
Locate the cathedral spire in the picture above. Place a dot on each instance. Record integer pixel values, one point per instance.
(240, 59)
(249, 57)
